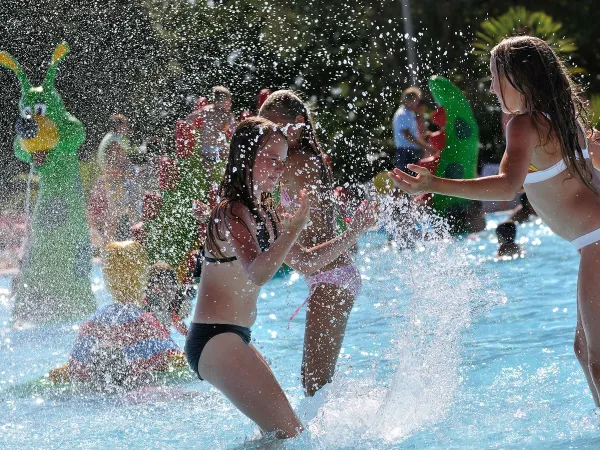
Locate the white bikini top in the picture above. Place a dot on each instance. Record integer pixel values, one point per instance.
(541, 175)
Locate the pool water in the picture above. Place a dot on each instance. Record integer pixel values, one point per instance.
(446, 347)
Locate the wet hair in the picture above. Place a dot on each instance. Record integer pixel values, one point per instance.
(289, 105)
(506, 232)
(238, 182)
(220, 93)
(531, 66)
(412, 92)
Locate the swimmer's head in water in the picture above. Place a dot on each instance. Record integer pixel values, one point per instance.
(257, 154)
(506, 232)
(528, 77)
(125, 270)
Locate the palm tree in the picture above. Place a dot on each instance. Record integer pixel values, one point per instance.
(519, 21)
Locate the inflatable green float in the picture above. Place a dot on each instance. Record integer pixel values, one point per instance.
(55, 274)
(458, 159)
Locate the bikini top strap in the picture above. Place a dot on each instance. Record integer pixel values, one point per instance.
(263, 235)
(210, 259)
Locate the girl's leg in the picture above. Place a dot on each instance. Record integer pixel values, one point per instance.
(581, 351)
(588, 301)
(327, 314)
(240, 373)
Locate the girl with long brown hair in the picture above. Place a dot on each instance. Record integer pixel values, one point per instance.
(549, 144)
(246, 244)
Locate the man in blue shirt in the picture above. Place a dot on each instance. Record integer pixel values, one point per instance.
(410, 146)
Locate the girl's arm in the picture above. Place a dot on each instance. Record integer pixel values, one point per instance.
(309, 260)
(261, 266)
(521, 139)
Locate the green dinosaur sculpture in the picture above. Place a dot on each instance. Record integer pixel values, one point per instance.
(55, 274)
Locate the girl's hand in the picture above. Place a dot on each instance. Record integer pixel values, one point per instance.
(301, 217)
(413, 185)
(365, 217)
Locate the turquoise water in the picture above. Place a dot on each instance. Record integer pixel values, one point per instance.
(446, 348)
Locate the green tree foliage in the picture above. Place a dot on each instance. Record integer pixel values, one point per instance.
(150, 59)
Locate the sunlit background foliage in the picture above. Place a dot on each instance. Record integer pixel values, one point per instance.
(151, 59)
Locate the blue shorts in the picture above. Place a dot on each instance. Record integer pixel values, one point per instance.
(406, 156)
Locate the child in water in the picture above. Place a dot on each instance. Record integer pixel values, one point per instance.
(164, 300)
(322, 253)
(507, 233)
(548, 153)
(245, 246)
(121, 345)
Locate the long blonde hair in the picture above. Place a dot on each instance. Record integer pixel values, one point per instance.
(531, 66)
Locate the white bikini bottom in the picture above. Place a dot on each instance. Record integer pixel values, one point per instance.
(586, 239)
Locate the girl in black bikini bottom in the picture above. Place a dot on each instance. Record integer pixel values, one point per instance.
(200, 333)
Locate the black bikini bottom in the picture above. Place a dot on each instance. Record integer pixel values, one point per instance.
(200, 333)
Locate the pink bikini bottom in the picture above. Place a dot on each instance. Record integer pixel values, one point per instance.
(345, 277)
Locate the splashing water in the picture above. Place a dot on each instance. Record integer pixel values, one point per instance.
(424, 365)
(426, 351)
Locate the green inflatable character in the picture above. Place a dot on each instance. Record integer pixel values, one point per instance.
(458, 159)
(55, 273)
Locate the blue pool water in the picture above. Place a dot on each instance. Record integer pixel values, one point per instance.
(446, 348)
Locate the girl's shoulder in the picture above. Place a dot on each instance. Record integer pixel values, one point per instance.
(231, 210)
(524, 126)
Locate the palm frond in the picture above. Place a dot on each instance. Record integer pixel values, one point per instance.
(519, 21)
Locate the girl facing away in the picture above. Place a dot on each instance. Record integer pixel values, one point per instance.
(547, 152)
(321, 253)
(245, 246)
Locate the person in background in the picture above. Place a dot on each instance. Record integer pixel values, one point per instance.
(112, 205)
(149, 155)
(121, 345)
(410, 144)
(421, 122)
(507, 233)
(163, 299)
(217, 125)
